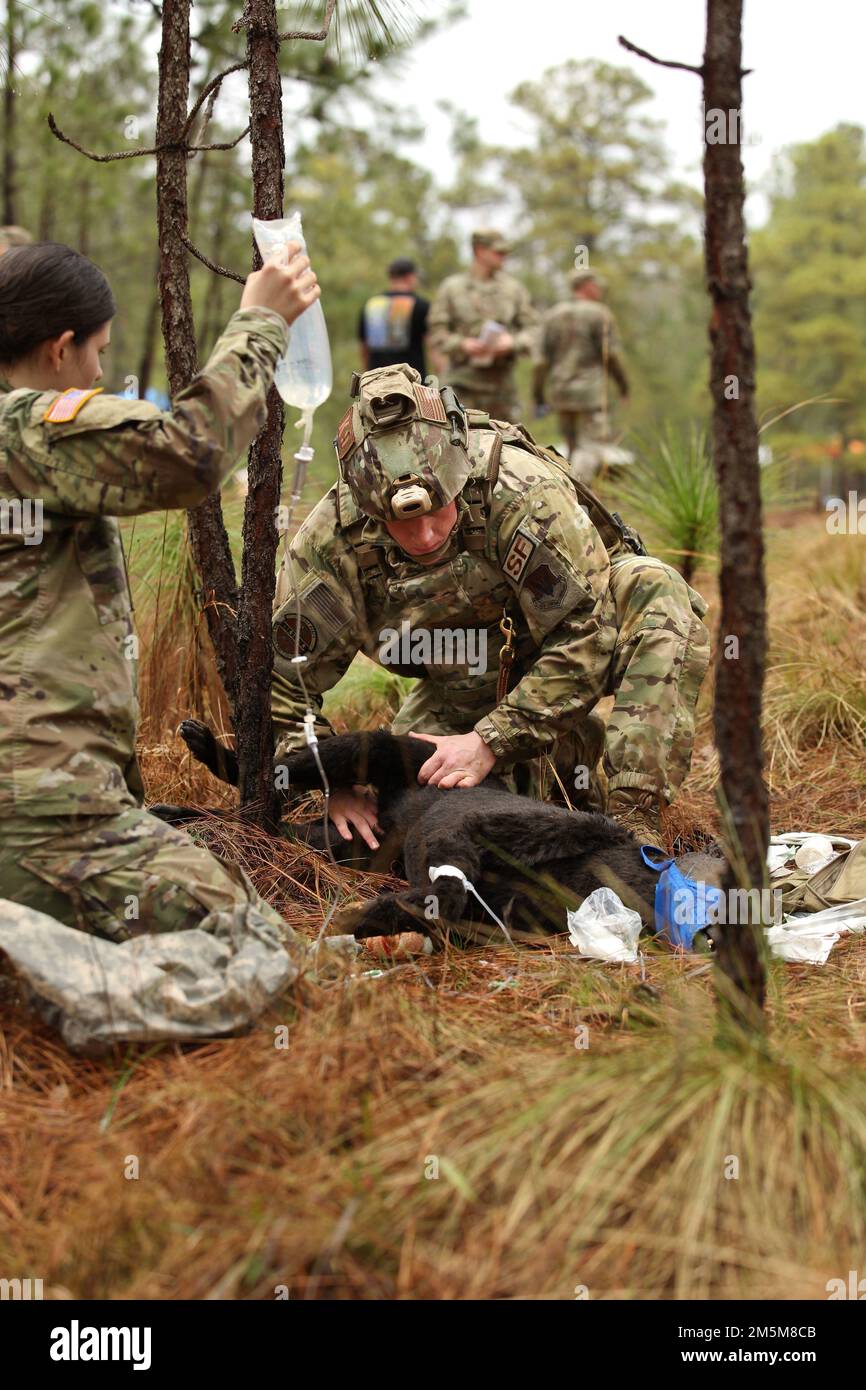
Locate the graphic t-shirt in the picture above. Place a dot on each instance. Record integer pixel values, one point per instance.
(393, 325)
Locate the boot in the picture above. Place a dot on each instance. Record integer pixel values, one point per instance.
(640, 811)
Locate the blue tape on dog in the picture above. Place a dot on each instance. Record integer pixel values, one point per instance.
(683, 906)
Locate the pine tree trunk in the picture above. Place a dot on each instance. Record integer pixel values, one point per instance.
(208, 537)
(255, 742)
(9, 171)
(739, 677)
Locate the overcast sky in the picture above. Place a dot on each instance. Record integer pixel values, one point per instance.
(808, 56)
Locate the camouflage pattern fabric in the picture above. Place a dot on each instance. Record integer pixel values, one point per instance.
(460, 309)
(214, 979)
(661, 658)
(585, 432)
(578, 348)
(543, 560)
(68, 703)
(122, 876)
(373, 455)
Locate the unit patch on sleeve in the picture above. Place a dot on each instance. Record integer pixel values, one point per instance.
(519, 553)
(323, 616)
(546, 586)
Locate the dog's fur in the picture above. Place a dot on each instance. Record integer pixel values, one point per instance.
(529, 861)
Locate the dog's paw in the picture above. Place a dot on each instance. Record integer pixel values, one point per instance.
(218, 759)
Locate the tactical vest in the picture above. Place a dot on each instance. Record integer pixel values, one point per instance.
(475, 499)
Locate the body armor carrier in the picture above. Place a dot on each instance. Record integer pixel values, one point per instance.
(474, 502)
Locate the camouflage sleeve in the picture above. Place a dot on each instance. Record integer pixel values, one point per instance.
(331, 627)
(555, 561)
(442, 337)
(615, 365)
(115, 456)
(525, 326)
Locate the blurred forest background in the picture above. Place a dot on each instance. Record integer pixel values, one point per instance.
(596, 173)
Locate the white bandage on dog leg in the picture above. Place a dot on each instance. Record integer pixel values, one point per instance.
(451, 871)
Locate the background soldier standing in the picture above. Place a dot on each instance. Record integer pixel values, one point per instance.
(481, 321)
(442, 522)
(578, 351)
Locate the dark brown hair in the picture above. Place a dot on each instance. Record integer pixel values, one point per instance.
(45, 290)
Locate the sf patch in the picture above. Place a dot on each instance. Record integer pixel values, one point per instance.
(518, 555)
(292, 639)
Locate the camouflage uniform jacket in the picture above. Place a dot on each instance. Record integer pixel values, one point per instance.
(462, 306)
(540, 557)
(578, 341)
(68, 704)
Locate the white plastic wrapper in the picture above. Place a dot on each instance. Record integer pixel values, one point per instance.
(811, 937)
(603, 928)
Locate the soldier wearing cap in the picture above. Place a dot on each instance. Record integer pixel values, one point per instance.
(481, 321)
(444, 524)
(578, 352)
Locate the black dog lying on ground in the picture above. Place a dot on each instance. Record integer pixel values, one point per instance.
(530, 862)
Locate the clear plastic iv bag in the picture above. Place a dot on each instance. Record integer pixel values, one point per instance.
(303, 377)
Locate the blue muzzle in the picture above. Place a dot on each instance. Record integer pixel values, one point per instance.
(683, 907)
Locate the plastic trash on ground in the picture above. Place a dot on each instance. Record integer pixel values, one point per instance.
(811, 938)
(603, 928)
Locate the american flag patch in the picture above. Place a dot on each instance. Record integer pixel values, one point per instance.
(430, 404)
(66, 406)
(345, 435)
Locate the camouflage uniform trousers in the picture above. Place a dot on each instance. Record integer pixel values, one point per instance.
(660, 660)
(659, 663)
(501, 402)
(123, 876)
(585, 432)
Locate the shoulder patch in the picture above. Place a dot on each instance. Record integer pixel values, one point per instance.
(66, 406)
(521, 550)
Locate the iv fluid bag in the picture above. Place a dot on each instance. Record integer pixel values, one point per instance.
(303, 377)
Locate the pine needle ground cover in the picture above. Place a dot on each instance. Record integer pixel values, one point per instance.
(490, 1123)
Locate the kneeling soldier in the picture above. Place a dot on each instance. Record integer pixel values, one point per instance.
(444, 525)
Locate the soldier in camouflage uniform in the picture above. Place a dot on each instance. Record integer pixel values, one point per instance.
(482, 371)
(74, 840)
(578, 351)
(444, 523)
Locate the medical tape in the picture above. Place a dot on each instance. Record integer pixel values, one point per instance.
(451, 871)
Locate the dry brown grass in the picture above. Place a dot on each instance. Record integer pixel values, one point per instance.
(557, 1166)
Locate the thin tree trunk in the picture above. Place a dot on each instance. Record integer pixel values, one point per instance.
(739, 677)
(148, 343)
(255, 742)
(9, 170)
(208, 537)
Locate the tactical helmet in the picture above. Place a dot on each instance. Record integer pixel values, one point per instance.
(402, 445)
